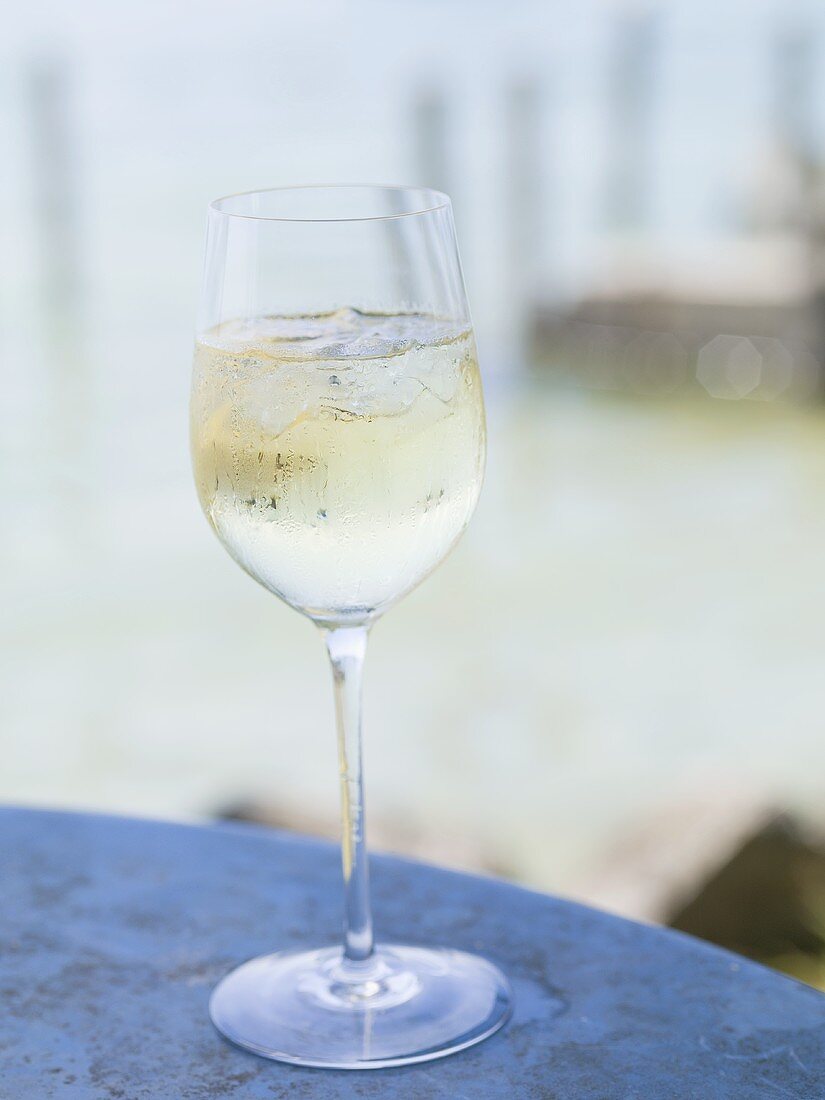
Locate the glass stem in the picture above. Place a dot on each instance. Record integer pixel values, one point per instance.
(346, 646)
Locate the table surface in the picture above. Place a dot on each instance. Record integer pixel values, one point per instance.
(113, 931)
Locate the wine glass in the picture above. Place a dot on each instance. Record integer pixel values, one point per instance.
(338, 441)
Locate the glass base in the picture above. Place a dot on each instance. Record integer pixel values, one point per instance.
(403, 1005)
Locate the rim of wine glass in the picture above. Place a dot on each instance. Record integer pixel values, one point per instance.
(439, 201)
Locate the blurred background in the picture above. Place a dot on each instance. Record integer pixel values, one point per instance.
(614, 687)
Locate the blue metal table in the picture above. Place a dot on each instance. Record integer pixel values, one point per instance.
(113, 931)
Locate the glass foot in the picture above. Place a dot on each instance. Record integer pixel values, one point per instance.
(404, 1004)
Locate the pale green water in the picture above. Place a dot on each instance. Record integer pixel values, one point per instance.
(635, 621)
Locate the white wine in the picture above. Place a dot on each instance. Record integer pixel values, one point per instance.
(338, 457)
